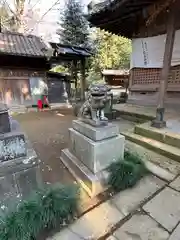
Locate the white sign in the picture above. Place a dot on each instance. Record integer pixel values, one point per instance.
(149, 52)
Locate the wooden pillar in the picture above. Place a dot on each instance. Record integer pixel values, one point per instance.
(71, 66)
(74, 76)
(159, 122)
(83, 79)
(130, 78)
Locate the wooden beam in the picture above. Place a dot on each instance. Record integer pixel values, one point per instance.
(118, 4)
(114, 5)
(130, 79)
(83, 79)
(161, 7)
(167, 57)
(75, 76)
(120, 11)
(159, 121)
(115, 17)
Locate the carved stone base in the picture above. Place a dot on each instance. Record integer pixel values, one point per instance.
(93, 184)
(94, 133)
(19, 169)
(91, 150)
(4, 119)
(19, 177)
(94, 123)
(158, 124)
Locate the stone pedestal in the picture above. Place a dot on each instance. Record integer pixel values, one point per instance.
(4, 119)
(91, 150)
(19, 165)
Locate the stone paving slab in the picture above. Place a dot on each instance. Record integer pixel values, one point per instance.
(175, 184)
(65, 234)
(176, 234)
(101, 219)
(165, 208)
(130, 199)
(97, 222)
(141, 227)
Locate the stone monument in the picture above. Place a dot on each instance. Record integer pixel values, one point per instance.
(19, 164)
(94, 143)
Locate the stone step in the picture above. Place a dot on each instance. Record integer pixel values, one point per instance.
(159, 147)
(161, 166)
(135, 113)
(91, 183)
(162, 135)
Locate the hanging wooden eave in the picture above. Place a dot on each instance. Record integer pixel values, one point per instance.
(120, 17)
(157, 9)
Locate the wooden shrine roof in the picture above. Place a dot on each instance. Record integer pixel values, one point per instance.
(121, 17)
(68, 52)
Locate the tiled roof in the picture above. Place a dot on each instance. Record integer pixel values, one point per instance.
(70, 50)
(22, 45)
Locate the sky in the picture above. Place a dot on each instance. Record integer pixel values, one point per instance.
(46, 26)
(34, 21)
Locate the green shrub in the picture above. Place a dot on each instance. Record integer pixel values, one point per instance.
(126, 173)
(48, 207)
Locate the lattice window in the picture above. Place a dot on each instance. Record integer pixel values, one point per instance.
(146, 76)
(152, 76)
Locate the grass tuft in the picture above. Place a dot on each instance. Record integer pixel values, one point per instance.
(47, 208)
(125, 173)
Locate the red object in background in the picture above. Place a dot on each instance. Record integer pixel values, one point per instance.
(40, 104)
(45, 100)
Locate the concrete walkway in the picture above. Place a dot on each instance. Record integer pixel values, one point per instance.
(149, 211)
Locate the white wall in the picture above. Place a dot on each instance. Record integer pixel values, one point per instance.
(149, 52)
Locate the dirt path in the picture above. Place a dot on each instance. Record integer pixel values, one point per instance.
(48, 132)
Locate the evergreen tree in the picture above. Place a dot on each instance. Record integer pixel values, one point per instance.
(74, 27)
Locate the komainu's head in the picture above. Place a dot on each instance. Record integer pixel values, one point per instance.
(98, 90)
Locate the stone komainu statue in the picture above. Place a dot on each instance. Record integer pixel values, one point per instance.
(92, 111)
